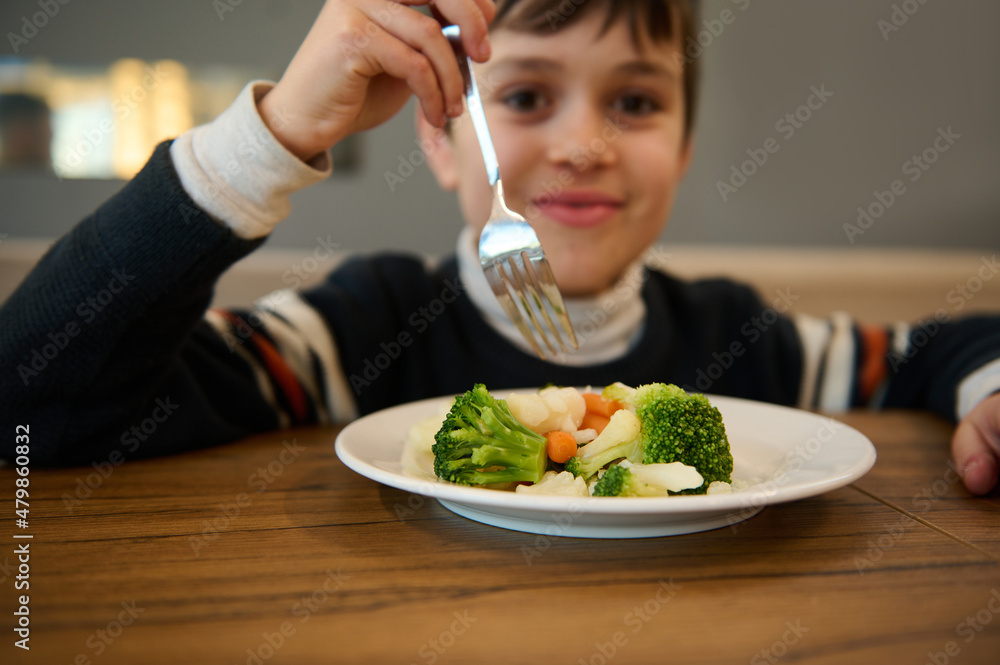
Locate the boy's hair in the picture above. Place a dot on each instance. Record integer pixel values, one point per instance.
(657, 20)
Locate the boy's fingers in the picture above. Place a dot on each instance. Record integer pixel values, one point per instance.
(473, 18)
(981, 474)
(978, 471)
(423, 34)
(400, 61)
(975, 447)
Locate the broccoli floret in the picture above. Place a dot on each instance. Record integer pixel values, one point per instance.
(620, 438)
(679, 427)
(480, 443)
(647, 479)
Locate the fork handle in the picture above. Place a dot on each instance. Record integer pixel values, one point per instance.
(475, 104)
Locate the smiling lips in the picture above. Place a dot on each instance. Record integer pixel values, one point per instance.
(579, 208)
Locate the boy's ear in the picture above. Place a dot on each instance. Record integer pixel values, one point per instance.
(440, 152)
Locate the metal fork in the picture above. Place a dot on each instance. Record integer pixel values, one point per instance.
(509, 251)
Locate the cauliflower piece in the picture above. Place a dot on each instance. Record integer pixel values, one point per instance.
(559, 484)
(417, 460)
(720, 487)
(551, 408)
(627, 479)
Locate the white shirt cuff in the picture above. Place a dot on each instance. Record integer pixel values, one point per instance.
(237, 171)
(976, 387)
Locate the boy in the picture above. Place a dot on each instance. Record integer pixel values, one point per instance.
(595, 96)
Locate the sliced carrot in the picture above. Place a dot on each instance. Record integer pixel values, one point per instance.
(561, 446)
(594, 421)
(601, 406)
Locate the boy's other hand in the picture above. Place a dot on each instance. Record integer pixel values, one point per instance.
(975, 446)
(361, 61)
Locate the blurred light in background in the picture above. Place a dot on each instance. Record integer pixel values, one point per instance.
(104, 122)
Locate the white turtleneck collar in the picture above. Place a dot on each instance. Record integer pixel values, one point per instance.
(607, 325)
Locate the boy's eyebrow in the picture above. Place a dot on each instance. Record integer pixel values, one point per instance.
(647, 68)
(531, 64)
(546, 65)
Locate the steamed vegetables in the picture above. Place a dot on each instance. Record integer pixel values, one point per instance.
(650, 440)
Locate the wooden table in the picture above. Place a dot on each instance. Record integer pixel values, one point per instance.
(272, 551)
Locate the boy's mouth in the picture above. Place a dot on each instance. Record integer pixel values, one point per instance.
(580, 208)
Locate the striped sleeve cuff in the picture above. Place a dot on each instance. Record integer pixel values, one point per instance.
(293, 357)
(237, 171)
(845, 364)
(976, 387)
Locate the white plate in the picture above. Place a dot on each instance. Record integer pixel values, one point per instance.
(783, 454)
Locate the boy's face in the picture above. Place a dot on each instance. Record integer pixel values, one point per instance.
(589, 134)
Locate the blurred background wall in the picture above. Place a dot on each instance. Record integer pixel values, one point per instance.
(888, 81)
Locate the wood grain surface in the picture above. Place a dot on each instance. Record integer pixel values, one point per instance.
(270, 550)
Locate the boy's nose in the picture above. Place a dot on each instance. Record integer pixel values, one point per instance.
(581, 140)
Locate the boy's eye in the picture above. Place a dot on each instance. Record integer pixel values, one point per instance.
(636, 104)
(525, 100)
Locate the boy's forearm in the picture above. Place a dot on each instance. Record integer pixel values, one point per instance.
(108, 302)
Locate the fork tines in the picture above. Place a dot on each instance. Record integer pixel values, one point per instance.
(524, 285)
